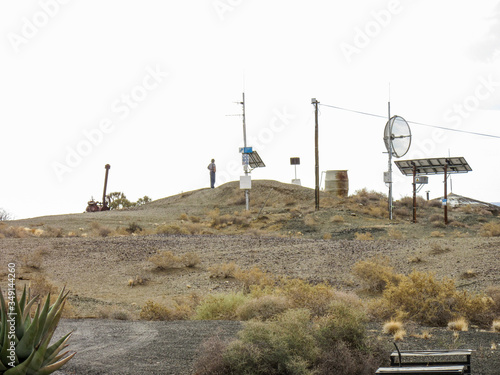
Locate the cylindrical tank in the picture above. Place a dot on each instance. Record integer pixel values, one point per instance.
(337, 183)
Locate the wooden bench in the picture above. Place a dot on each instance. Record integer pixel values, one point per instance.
(427, 370)
(424, 358)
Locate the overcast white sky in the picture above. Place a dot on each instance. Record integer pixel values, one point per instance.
(146, 86)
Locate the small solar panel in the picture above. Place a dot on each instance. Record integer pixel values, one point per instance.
(433, 166)
(255, 160)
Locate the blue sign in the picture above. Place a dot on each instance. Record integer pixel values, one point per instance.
(246, 150)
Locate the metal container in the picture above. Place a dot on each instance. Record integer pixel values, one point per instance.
(337, 183)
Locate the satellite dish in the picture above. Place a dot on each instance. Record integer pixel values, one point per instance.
(397, 136)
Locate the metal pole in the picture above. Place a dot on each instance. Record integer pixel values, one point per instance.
(390, 161)
(247, 193)
(414, 193)
(446, 193)
(316, 154)
(104, 204)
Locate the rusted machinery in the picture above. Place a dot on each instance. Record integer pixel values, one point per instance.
(92, 205)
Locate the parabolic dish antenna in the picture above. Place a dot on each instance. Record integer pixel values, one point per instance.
(397, 136)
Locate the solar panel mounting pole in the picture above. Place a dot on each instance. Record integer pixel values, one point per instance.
(316, 154)
(445, 193)
(390, 162)
(245, 167)
(414, 193)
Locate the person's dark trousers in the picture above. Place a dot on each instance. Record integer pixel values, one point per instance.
(212, 179)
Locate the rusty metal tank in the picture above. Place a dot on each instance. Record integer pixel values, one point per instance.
(337, 183)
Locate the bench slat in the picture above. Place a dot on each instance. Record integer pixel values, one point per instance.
(422, 370)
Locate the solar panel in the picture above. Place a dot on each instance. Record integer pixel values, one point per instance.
(255, 160)
(433, 166)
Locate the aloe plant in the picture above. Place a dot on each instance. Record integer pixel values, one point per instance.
(25, 339)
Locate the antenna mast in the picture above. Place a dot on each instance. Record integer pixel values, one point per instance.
(245, 166)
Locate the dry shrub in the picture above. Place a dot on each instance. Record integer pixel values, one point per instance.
(375, 274)
(316, 298)
(379, 212)
(436, 234)
(40, 286)
(220, 307)
(337, 219)
(100, 230)
(137, 280)
(53, 232)
(190, 260)
(434, 203)
(438, 224)
(458, 324)
(171, 229)
(211, 360)
(193, 228)
(392, 326)
(437, 249)
(183, 217)
(224, 270)
(12, 232)
(179, 310)
(402, 212)
(165, 260)
(399, 335)
(366, 197)
(195, 219)
(253, 277)
(469, 274)
(34, 260)
(262, 308)
(395, 234)
(364, 236)
(494, 293)
(495, 326)
(309, 220)
(435, 218)
(119, 315)
(422, 298)
(327, 236)
(490, 230)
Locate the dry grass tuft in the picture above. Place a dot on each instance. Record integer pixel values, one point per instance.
(490, 230)
(459, 324)
(495, 326)
(337, 219)
(395, 234)
(364, 236)
(375, 274)
(165, 260)
(224, 270)
(436, 234)
(392, 326)
(399, 335)
(34, 260)
(469, 274)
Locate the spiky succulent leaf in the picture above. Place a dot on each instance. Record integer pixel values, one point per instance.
(54, 349)
(21, 368)
(27, 343)
(54, 366)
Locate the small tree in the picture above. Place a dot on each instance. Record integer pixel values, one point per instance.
(143, 200)
(4, 215)
(118, 201)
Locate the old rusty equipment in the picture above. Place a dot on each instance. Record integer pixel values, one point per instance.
(92, 205)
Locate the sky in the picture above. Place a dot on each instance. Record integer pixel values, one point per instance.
(152, 87)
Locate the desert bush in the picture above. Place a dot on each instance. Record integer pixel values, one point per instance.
(438, 224)
(253, 277)
(392, 326)
(399, 335)
(490, 230)
(224, 270)
(40, 286)
(495, 326)
(12, 232)
(327, 236)
(100, 230)
(290, 344)
(119, 315)
(375, 274)
(133, 228)
(422, 298)
(155, 311)
(195, 219)
(34, 259)
(220, 307)
(364, 196)
(395, 234)
(316, 298)
(309, 220)
(171, 229)
(436, 234)
(337, 219)
(435, 218)
(193, 228)
(165, 260)
(437, 249)
(262, 308)
(493, 292)
(367, 236)
(434, 203)
(190, 260)
(176, 310)
(53, 232)
(458, 324)
(183, 216)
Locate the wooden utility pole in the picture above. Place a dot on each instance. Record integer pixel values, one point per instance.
(446, 193)
(316, 154)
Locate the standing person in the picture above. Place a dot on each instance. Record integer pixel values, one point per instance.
(211, 168)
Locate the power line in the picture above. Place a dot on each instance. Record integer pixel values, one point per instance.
(414, 122)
